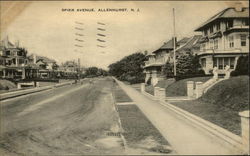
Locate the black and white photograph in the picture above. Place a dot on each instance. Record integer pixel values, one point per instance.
(167, 77)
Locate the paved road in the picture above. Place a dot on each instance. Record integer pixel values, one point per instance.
(183, 137)
(68, 120)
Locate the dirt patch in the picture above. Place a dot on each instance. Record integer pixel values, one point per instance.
(74, 124)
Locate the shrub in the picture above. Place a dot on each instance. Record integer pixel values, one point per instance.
(188, 66)
(242, 67)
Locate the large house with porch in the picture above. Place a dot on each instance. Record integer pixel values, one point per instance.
(158, 58)
(13, 61)
(225, 37)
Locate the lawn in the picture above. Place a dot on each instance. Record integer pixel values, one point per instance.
(6, 85)
(120, 95)
(179, 88)
(139, 131)
(222, 103)
(218, 115)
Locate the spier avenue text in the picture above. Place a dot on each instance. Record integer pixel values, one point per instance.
(98, 10)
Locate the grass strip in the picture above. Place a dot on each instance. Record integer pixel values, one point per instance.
(139, 131)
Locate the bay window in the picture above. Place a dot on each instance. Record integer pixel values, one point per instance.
(231, 41)
(243, 40)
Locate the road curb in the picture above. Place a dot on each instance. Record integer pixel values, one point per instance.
(18, 93)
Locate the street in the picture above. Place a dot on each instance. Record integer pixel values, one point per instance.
(72, 119)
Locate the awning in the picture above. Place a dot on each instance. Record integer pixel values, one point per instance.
(204, 39)
(216, 35)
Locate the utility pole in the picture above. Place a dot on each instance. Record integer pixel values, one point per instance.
(174, 43)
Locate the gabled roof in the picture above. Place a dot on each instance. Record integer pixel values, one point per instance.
(168, 45)
(226, 13)
(191, 43)
(42, 58)
(6, 43)
(183, 40)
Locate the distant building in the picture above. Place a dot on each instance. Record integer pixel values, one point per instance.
(47, 67)
(69, 67)
(225, 37)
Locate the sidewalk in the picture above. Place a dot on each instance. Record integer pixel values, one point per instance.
(183, 137)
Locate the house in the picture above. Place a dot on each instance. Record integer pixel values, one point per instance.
(191, 46)
(13, 60)
(69, 68)
(47, 67)
(225, 37)
(158, 58)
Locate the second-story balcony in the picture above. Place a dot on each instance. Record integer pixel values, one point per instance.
(237, 28)
(219, 51)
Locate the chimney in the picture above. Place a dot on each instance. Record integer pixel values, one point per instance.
(5, 42)
(34, 58)
(145, 52)
(17, 44)
(238, 7)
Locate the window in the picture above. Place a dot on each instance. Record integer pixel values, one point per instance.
(205, 32)
(1, 53)
(226, 61)
(220, 63)
(1, 62)
(215, 62)
(211, 43)
(216, 44)
(229, 24)
(231, 41)
(203, 62)
(243, 40)
(7, 52)
(211, 29)
(218, 26)
(245, 22)
(21, 61)
(232, 61)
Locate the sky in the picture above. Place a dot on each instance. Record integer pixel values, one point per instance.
(44, 29)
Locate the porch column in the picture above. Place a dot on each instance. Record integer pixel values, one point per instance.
(245, 131)
(23, 73)
(154, 79)
(147, 76)
(4, 73)
(16, 62)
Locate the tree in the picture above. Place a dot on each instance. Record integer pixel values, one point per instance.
(129, 68)
(94, 71)
(188, 65)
